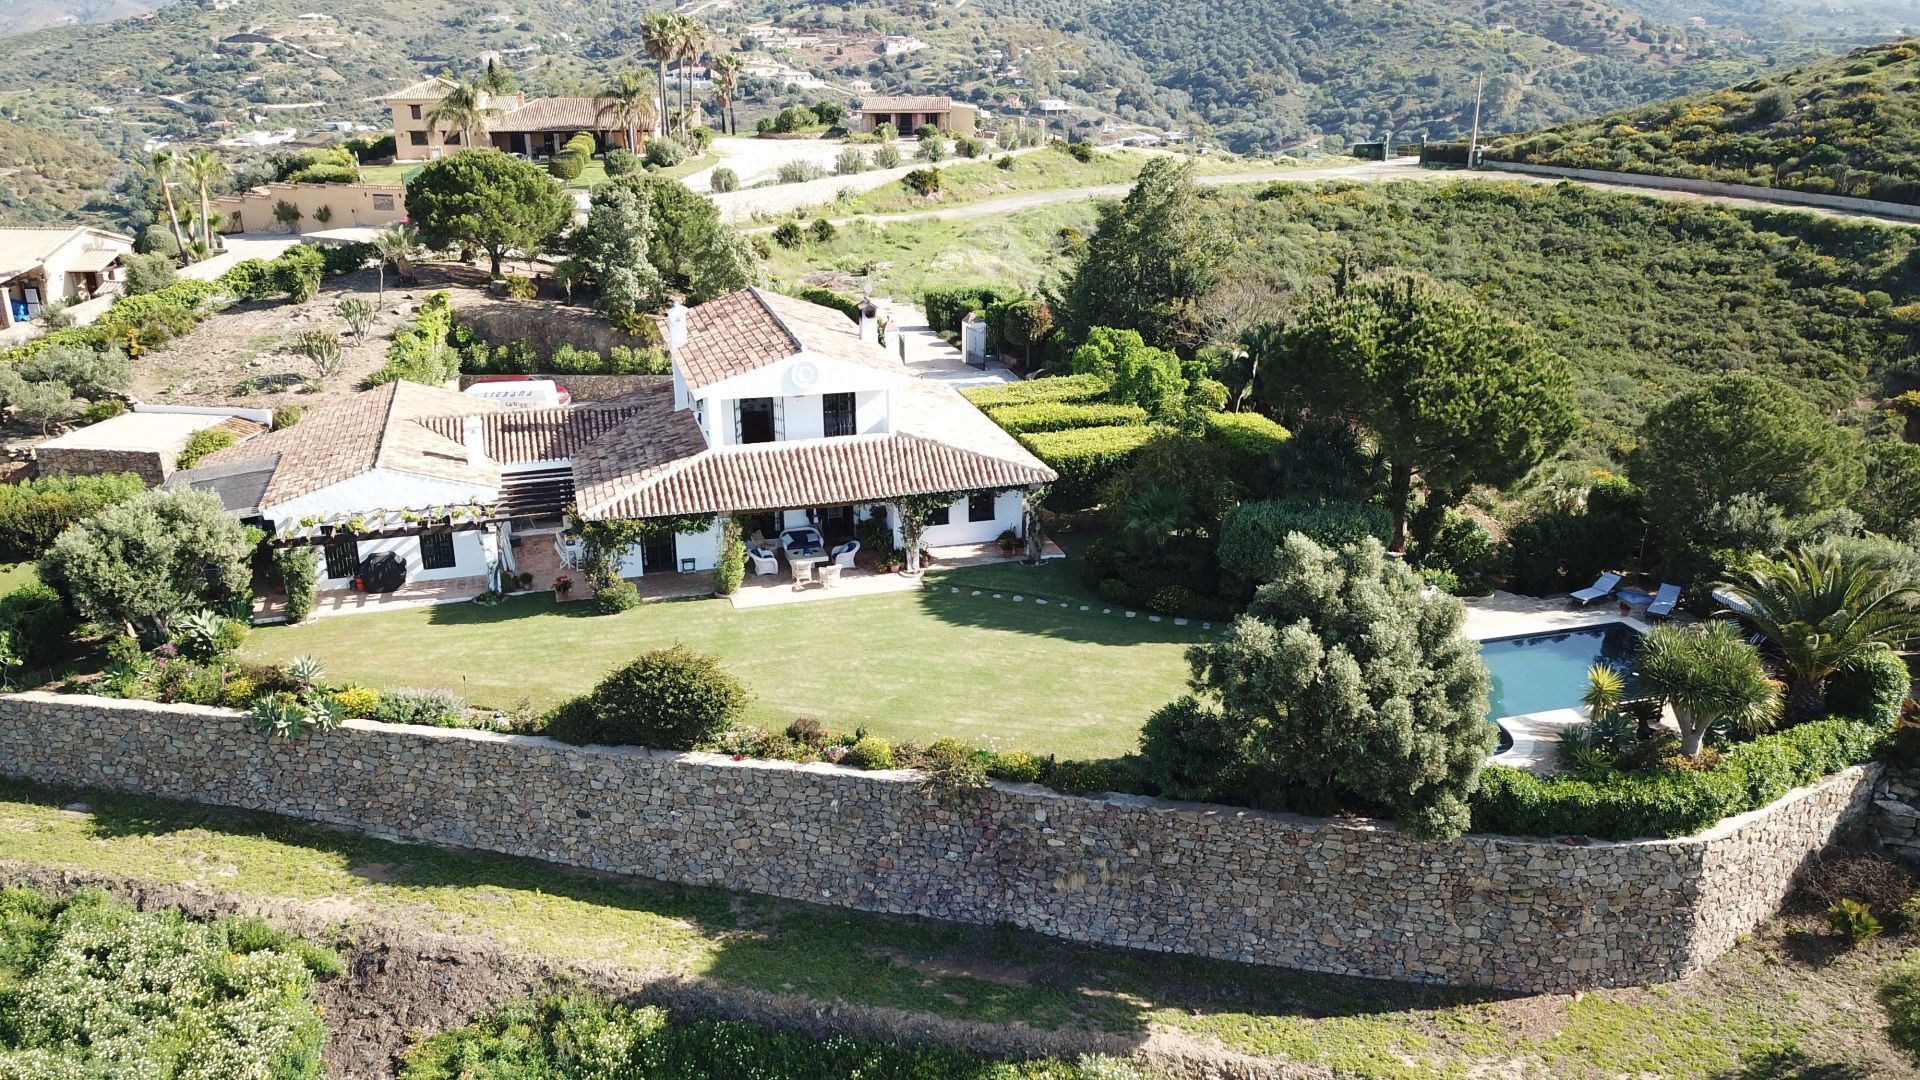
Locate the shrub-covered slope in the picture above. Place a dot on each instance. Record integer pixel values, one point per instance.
(1845, 126)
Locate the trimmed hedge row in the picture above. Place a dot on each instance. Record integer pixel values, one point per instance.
(946, 307)
(1626, 806)
(1065, 416)
(1085, 458)
(1071, 388)
(1249, 440)
(840, 302)
(1251, 533)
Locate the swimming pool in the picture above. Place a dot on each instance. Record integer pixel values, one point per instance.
(1537, 672)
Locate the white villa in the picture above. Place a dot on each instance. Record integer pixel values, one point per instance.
(778, 411)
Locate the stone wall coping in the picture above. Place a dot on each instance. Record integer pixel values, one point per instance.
(900, 777)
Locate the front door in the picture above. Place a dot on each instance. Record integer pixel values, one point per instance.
(657, 556)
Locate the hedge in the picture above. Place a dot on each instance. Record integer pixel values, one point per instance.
(1065, 416)
(1079, 389)
(1627, 806)
(1248, 439)
(1085, 458)
(34, 512)
(1251, 533)
(841, 302)
(947, 307)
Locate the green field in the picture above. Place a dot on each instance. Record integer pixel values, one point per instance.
(905, 258)
(1784, 1004)
(906, 666)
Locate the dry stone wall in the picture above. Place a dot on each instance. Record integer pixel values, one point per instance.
(1353, 898)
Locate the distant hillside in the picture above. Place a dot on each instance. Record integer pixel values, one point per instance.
(20, 18)
(44, 177)
(1848, 126)
(1789, 18)
(1266, 74)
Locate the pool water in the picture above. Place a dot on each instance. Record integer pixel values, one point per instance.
(1538, 672)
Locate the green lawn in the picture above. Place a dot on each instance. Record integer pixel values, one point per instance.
(1783, 1004)
(14, 575)
(907, 666)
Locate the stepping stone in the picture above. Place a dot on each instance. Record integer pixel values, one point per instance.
(1153, 618)
(1179, 622)
(976, 592)
(1017, 598)
(1083, 607)
(996, 596)
(953, 589)
(1106, 611)
(1040, 601)
(1129, 614)
(1206, 626)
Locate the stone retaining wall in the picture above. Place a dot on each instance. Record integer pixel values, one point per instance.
(1349, 897)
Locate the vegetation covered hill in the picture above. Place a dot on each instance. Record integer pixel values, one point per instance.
(20, 18)
(44, 177)
(1267, 73)
(1846, 126)
(1644, 298)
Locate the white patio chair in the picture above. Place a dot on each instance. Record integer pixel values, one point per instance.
(843, 555)
(762, 561)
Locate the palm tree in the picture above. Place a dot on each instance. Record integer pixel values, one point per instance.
(467, 108)
(1710, 676)
(205, 169)
(629, 104)
(692, 40)
(165, 165)
(657, 37)
(1820, 611)
(396, 244)
(726, 83)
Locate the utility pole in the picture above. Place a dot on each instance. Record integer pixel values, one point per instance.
(1473, 147)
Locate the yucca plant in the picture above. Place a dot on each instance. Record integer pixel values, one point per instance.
(1819, 611)
(306, 671)
(1605, 687)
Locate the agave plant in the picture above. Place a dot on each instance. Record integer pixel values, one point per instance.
(1820, 611)
(198, 633)
(306, 671)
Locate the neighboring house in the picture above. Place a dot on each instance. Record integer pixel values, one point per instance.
(778, 411)
(341, 205)
(1053, 107)
(908, 114)
(900, 45)
(533, 127)
(146, 441)
(41, 266)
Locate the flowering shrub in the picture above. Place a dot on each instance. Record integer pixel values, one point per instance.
(95, 988)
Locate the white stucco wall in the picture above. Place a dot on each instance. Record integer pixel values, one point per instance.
(471, 550)
(702, 547)
(1006, 515)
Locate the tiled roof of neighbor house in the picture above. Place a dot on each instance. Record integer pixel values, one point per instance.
(374, 429)
(905, 103)
(747, 330)
(425, 90)
(22, 249)
(523, 436)
(551, 114)
(241, 485)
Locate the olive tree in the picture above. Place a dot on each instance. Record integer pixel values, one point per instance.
(1345, 683)
(143, 562)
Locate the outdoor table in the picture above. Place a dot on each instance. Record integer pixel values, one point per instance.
(803, 565)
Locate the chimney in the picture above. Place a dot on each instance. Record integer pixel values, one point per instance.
(676, 325)
(870, 322)
(476, 445)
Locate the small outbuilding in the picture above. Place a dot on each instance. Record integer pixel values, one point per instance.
(147, 441)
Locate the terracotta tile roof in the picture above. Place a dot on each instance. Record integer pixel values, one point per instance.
(524, 436)
(639, 449)
(747, 330)
(905, 103)
(425, 90)
(816, 472)
(551, 114)
(374, 429)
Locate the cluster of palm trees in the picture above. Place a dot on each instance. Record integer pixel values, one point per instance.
(671, 38)
(201, 170)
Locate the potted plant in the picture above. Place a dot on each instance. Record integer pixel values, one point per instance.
(1008, 542)
(525, 578)
(562, 585)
